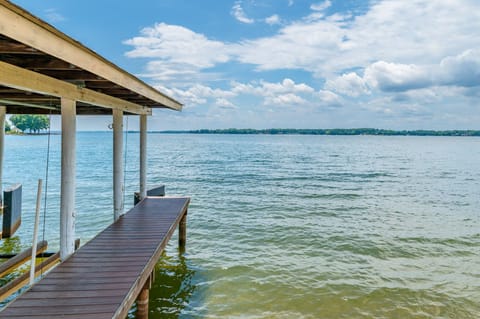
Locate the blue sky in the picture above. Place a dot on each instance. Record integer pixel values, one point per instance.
(392, 64)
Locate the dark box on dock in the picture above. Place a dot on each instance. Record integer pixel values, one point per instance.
(12, 210)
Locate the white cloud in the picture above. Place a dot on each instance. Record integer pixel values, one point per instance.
(285, 93)
(198, 94)
(348, 84)
(176, 52)
(239, 14)
(395, 31)
(321, 6)
(396, 52)
(177, 44)
(53, 16)
(396, 77)
(329, 99)
(224, 103)
(461, 70)
(289, 100)
(403, 32)
(272, 20)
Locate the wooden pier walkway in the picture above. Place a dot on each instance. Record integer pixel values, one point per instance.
(104, 277)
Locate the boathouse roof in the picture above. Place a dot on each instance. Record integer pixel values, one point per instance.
(39, 64)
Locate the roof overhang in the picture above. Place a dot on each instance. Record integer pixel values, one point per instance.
(39, 65)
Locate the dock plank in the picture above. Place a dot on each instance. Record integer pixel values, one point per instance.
(103, 278)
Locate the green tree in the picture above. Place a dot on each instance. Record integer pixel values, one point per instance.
(7, 127)
(32, 123)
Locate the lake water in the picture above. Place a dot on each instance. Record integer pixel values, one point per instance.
(288, 226)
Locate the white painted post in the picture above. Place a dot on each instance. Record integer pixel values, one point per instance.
(117, 164)
(67, 192)
(3, 112)
(143, 156)
(35, 232)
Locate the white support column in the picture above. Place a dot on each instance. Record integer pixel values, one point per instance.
(117, 164)
(143, 156)
(67, 195)
(3, 112)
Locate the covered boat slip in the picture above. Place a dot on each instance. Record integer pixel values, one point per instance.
(103, 278)
(43, 71)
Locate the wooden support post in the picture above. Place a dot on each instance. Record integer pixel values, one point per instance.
(3, 112)
(182, 233)
(142, 300)
(67, 193)
(117, 164)
(143, 156)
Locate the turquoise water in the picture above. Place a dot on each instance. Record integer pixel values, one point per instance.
(290, 226)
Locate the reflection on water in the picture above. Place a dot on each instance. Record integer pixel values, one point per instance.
(172, 288)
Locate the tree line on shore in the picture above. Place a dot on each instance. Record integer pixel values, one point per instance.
(34, 124)
(352, 131)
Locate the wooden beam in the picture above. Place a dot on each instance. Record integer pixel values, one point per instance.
(20, 25)
(68, 181)
(26, 80)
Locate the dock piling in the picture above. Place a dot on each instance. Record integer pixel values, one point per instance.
(142, 300)
(182, 233)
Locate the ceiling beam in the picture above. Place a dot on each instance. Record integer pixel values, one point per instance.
(21, 26)
(18, 78)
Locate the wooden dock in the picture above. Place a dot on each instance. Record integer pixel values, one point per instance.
(104, 277)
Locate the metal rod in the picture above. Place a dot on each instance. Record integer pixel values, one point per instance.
(35, 232)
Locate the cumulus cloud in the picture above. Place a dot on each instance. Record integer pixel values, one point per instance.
(350, 84)
(394, 31)
(396, 77)
(177, 44)
(198, 94)
(461, 70)
(53, 16)
(397, 50)
(224, 103)
(404, 32)
(239, 13)
(272, 20)
(175, 51)
(329, 99)
(321, 6)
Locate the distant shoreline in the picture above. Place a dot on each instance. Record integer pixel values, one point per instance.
(354, 131)
(276, 131)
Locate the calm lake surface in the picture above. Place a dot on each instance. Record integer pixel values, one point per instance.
(288, 226)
